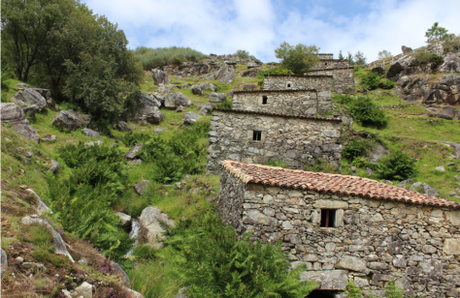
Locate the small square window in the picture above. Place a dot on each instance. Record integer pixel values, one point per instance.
(327, 218)
(257, 136)
(264, 99)
(289, 85)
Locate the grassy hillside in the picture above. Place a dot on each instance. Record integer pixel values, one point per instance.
(154, 272)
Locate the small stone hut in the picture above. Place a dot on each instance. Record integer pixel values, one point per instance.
(347, 228)
(257, 137)
(298, 102)
(344, 78)
(299, 82)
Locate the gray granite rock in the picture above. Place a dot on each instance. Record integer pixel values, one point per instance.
(191, 117)
(132, 153)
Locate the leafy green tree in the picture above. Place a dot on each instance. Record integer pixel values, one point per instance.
(359, 58)
(242, 54)
(299, 58)
(26, 27)
(370, 81)
(350, 58)
(341, 57)
(384, 54)
(397, 166)
(436, 32)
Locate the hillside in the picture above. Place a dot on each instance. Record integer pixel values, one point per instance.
(93, 182)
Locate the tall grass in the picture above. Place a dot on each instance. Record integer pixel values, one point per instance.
(153, 58)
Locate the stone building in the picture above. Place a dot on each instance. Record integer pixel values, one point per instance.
(257, 137)
(326, 56)
(299, 82)
(330, 64)
(297, 102)
(344, 78)
(347, 228)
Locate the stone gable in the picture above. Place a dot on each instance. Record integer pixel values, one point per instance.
(299, 82)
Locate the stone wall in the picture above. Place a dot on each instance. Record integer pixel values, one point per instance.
(372, 241)
(296, 140)
(344, 79)
(295, 82)
(326, 56)
(330, 64)
(297, 102)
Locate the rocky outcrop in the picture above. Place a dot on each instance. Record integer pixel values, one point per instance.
(11, 113)
(71, 120)
(160, 77)
(191, 118)
(148, 114)
(225, 75)
(31, 110)
(217, 97)
(174, 100)
(150, 100)
(451, 64)
(151, 221)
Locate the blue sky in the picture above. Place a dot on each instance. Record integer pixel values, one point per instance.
(259, 26)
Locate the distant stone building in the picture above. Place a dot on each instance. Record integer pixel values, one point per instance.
(346, 228)
(330, 64)
(257, 137)
(326, 56)
(297, 102)
(299, 82)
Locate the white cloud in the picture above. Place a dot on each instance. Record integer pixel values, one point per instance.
(259, 26)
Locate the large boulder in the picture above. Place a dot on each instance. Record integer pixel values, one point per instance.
(141, 186)
(71, 120)
(149, 100)
(46, 93)
(406, 50)
(447, 112)
(90, 133)
(197, 90)
(151, 220)
(11, 113)
(165, 89)
(424, 188)
(217, 97)
(30, 97)
(26, 130)
(225, 75)
(123, 126)
(174, 100)
(148, 114)
(191, 117)
(160, 77)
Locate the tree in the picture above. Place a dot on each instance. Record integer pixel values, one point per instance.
(350, 59)
(436, 32)
(27, 27)
(359, 58)
(299, 58)
(384, 54)
(341, 57)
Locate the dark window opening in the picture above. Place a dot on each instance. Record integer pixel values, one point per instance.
(327, 218)
(264, 100)
(289, 85)
(257, 135)
(324, 294)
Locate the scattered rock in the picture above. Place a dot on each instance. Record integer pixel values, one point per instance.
(180, 109)
(90, 133)
(125, 219)
(71, 120)
(123, 126)
(55, 166)
(11, 113)
(41, 207)
(379, 70)
(206, 108)
(196, 89)
(225, 75)
(406, 183)
(49, 138)
(57, 239)
(376, 153)
(31, 111)
(84, 290)
(406, 50)
(23, 85)
(149, 100)
(52, 105)
(173, 100)
(158, 130)
(96, 143)
(33, 267)
(26, 130)
(160, 77)
(369, 171)
(135, 294)
(132, 153)
(451, 64)
(453, 145)
(424, 188)
(181, 293)
(446, 112)
(141, 186)
(191, 117)
(217, 97)
(151, 219)
(440, 169)
(3, 258)
(165, 89)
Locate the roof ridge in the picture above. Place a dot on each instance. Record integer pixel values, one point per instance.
(278, 114)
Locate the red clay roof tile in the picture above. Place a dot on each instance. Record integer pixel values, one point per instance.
(334, 183)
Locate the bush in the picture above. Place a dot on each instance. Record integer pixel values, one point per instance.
(134, 138)
(397, 166)
(365, 112)
(226, 104)
(370, 81)
(356, 148)
(214, 264)
(154, 58)
(242, 54)
(422, 58)
(277, 70)
(321, 165)
(387, 84)
(353, 291)
(276, 163)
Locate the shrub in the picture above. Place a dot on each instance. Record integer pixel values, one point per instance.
(356, 148)
(242, 54)
(353, 291)
(134, 138)
(422, 58)
(276, 163)
(392, 291)
(397, 166)
(154, 58)
(370, 81)
(226, 104)
(365, 111)
(387, 84)
(214, 264)
(321, 165)
(277, 70)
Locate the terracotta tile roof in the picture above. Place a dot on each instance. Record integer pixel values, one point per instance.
(334, 183)
(276, 114)
(302, 76)
(274, 90)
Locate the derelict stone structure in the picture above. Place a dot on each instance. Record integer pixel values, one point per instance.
(346, 228)
(326, 56)
(330, 64)
(298, 82)
(296, 102)
(257, 137)
(344, 78)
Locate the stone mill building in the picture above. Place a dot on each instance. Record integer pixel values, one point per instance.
(279, 123)
(347, 228)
